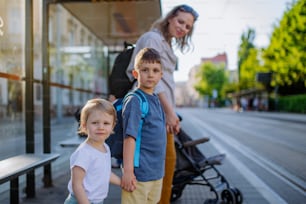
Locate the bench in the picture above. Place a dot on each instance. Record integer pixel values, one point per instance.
(13, 167)
(73, 142)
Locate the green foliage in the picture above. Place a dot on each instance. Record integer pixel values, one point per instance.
(249, 61)
(230, 88)
(211, 77)
(286, 54)
(296, 103)
(247, 39)
(248, 69)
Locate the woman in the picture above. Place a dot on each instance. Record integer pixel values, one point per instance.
(175, 29)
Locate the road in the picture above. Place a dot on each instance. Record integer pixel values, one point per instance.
(269, 154)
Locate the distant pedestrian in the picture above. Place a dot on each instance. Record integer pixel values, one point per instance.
(90, 164)
(255, 103)
(244, 103)
(143, 176)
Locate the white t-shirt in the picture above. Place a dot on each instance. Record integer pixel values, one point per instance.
(97, 166)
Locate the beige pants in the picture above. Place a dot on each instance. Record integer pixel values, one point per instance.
(146, 193)
(169, 170)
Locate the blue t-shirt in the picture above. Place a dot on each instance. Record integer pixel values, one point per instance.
(153, 136)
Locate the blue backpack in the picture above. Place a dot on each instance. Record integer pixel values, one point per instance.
(115, 140)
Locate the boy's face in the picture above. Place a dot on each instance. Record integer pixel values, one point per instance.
(148, 75)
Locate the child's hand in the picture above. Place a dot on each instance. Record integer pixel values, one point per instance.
(134, 182)
(128, 182)
(114, 179)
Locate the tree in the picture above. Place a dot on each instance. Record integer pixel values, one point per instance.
(248, 70)
(211, 77)
(246, 45)
(285, 57)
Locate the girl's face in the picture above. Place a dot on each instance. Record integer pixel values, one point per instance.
(180, 25)
(99, 125)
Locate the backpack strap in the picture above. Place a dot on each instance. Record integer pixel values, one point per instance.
(144, 107)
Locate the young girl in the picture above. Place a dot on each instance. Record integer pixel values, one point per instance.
(90, 164)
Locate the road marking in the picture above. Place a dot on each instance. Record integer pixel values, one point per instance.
(270, 195)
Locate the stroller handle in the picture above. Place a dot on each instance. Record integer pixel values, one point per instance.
(195, 142)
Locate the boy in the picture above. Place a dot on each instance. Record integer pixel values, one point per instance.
(143, 184)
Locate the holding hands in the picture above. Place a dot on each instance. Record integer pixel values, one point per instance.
(172, 123)
(128, 181)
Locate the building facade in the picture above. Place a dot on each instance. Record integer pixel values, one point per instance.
(190, 96)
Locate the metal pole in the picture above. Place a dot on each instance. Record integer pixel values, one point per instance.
(29, 106)
(46, 91)
(59, 70)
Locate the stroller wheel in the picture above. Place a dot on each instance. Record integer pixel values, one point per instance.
(176, 193)
(210, 201)
(228, 196)
(238, 195)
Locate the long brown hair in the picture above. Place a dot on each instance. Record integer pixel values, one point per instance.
(163, 23)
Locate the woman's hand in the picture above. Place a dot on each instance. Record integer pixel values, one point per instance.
(172, 120)
(172, 123)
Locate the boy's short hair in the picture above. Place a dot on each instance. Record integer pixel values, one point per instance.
(149, 55)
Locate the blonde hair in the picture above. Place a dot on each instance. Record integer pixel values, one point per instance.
(96, 105)
(162, 24)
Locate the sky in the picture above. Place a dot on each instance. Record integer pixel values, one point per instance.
(220, 26)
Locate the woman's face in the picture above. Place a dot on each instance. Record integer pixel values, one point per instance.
(180, 25)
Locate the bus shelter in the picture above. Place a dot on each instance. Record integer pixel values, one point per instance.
(54, 56)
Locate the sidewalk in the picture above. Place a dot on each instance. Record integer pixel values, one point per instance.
(192, 194)
(58, 193)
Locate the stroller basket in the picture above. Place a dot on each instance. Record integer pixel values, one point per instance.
(193, 168)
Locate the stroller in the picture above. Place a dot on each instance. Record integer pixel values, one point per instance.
(193, 168)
